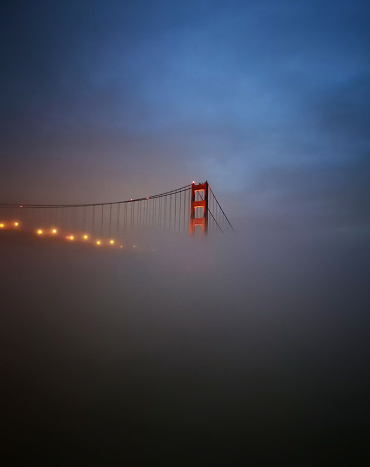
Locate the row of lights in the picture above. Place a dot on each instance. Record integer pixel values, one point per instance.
(4, 225)
(71, 238)
(54, 231)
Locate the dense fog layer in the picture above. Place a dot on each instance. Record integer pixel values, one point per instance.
(235, 349)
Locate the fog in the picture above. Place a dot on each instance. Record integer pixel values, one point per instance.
(221, 351)
(227, 351)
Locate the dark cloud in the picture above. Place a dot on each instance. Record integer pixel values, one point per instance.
(345, 117)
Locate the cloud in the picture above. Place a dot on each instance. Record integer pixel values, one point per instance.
(344, 115)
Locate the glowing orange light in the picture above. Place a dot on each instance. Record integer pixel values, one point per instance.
(71, 237)
(2, 226)
(111, 242)
(39, 232)
(86, 237)
(98, 242)
(54, 231)
(16, 224)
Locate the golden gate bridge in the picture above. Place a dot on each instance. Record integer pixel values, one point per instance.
(189, 209)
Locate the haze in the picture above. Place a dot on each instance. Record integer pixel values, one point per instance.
(227, 350)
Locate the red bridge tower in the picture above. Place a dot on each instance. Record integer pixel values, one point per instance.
(201, 203)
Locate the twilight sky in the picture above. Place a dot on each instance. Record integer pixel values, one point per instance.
(267, 100)
(254, 348)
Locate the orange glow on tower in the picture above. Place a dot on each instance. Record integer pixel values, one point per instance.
(202, 188)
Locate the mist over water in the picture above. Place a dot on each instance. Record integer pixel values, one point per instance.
(241, 349)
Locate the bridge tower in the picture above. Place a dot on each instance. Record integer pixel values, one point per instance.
(202, 190)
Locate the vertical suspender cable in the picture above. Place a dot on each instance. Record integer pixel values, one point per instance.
(160, 213)
(155, 214)
(180, 212)
(170, 224)
(93, 219)
(118, 212)
(110, 219)
(101, 224)
(174, 219)
(185, 195)
(84, 218)
(165, 213)
(139, 216)
(144, 213)
(147, 213)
